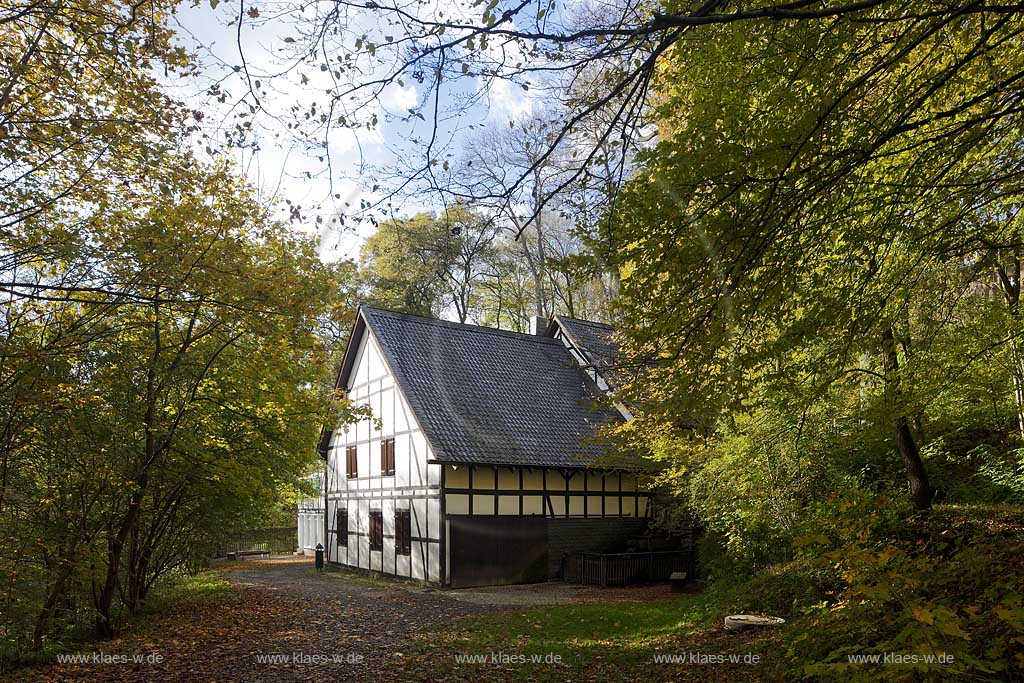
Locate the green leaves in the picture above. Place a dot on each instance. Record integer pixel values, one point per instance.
(790, 215)
(158, 424)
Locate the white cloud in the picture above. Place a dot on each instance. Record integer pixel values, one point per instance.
(399, 99)
(508, 101)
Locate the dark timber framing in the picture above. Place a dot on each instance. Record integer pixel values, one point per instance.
(552, 485)
(413, 481)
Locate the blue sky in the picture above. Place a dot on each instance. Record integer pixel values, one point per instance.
(287, 167)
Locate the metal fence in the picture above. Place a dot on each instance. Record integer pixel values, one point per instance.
(620, 569)
(272, 540)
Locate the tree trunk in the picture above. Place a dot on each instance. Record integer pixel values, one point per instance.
(540, 269)
(920, 490)
(104, 600)
(1008, 275)
(115, 548)
(135, 574)
(54, 596)
(1018, 385)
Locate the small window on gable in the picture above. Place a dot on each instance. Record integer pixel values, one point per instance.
(403, 532)
(351, 462)
(341, 526)
(387, 457)
(376, 530)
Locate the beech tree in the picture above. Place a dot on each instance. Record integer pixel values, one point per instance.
(80, 112)
(170, 421)
(811, 205)
(428, 264)
(162, 372)
(599, 61)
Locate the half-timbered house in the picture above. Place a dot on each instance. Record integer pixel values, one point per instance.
(482, 462)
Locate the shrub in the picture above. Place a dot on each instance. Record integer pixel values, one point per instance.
(969, 471)
(943, 585)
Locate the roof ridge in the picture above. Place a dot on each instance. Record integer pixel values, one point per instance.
(586, 322)
(468, 327)
(483, 395)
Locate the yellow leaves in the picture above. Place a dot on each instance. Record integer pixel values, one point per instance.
(1014, 616)
(885, 554)
(943, 619)
(810, 539)
(877, 593)
(922, 614)
(948, 623)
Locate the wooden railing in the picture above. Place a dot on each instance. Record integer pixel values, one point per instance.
(620, 569)
(272, 540)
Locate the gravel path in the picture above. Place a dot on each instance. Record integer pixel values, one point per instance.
(288, 623)
(400, 608)
(363, 621)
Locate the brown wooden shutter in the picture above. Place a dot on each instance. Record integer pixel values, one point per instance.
(403, 532)
(407, 527)
(351, 462)
(376, 530)
(341, 526)
(387, 457)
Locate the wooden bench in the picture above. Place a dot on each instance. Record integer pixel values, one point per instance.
(239, 554)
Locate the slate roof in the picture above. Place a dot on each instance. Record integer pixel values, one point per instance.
(491, 396)
(596, 341)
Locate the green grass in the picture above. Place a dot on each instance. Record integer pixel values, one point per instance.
(179, 588)
(170, 591)
(586, 629)
(604, 641)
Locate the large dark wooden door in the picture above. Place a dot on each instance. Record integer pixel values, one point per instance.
(488, 551)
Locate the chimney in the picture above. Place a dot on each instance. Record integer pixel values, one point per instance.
(539, 325)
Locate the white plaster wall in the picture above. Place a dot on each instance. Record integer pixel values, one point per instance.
(414, 485)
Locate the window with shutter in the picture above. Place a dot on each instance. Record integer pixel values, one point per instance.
(376, 530)
(341, 526)
(403, 532)
(387, 457)
(351, 462)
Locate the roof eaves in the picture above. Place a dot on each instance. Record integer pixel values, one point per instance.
(355, 336)
(392, 365)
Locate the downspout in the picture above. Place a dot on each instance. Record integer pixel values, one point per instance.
(327, 545)
(442, 561)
